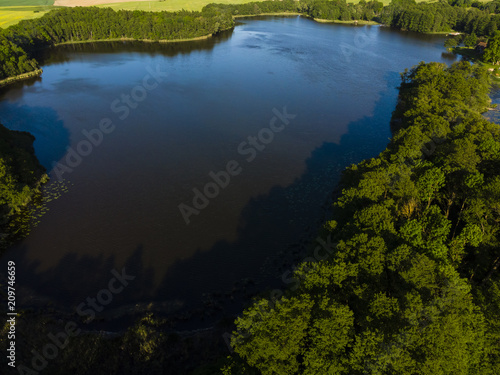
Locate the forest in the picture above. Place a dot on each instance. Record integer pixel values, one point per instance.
(18, 42)
(13, 59)
(409, 282)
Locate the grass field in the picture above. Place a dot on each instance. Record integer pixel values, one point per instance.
(12, 15)
(13, 11)
(169, 5)
(24, 3)
(156, 5)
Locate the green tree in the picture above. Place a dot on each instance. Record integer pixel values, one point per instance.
(451, 42)
(272, 339)
(470, 40)
(492, 51)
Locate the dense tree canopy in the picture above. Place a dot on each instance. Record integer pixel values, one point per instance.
(492, 51)
(13, 59)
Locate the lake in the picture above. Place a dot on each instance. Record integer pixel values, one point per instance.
(204, 168)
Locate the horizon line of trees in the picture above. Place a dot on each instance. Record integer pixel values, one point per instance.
(18, 42)
(92, 23)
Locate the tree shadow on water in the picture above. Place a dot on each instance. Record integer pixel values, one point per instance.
(76, 278)
(273, 234)
(275, 229)
(51, 137)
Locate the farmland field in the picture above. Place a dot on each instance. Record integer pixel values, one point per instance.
(23, 3)
(12, 15)
(13, 11)
(168, 5)
(80, 3)
(171, 5)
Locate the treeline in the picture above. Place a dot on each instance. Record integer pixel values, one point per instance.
(253, 8)
(491, 7)
(440, 16)
(406, 279)
(341, 11)
(91, 23)
(322, 9)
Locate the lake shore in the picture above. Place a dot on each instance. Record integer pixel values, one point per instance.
(472, 55)
(285, 14)
(21, 77)
(350, 22)
(203, 37)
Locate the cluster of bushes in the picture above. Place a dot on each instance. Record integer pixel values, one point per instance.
(20, 171)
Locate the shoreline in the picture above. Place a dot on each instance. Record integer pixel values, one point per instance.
(470, 54)
(21, 77)
(282, 14)
(13, 209)
(203, 37)
(351, 22)
(39, 72)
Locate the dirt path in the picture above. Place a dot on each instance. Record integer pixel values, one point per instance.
(82, 3)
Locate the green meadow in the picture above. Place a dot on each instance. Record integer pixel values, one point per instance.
(172, 5)
(12, 15)
(168, 5)
(13, 11)
(25, 3)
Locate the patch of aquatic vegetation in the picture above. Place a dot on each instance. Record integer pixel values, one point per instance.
(28, 218)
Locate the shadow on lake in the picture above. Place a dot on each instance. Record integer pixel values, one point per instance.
(274, 231)
(62, 53)
(51, 137)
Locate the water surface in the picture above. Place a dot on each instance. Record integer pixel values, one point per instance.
(122, 204)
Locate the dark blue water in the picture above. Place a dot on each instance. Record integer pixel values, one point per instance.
(136, 130)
